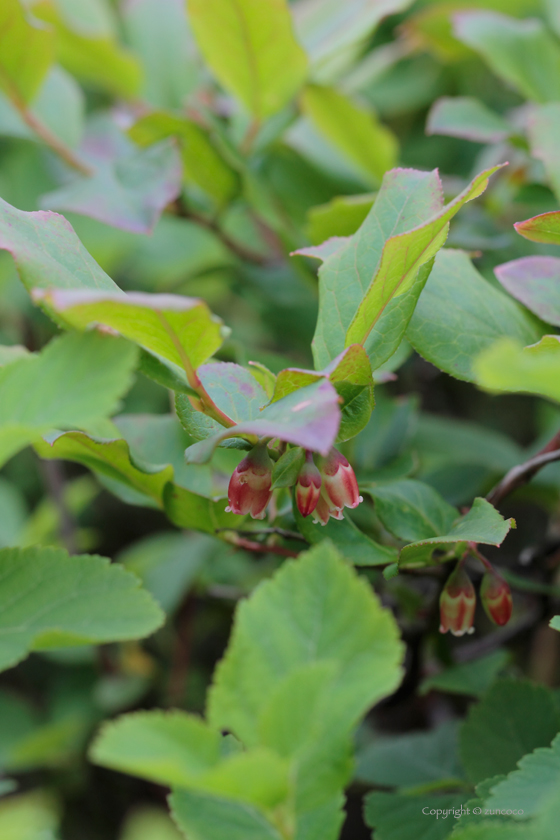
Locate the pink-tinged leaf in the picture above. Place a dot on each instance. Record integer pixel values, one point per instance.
(308, 417)
(407, 198)
(171, 326)
(467, 117)
(233, 389)
(544, 228)
(535, 281)
(403, 257)
(323, 251)
(350, 373)
(47, 252)
(129, 188)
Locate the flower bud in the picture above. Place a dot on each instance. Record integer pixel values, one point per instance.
(457, 603)
(495, 595)
(339, 482)
(249, 487)
(308, 486)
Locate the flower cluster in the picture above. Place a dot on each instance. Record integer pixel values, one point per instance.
(458, 601)
(323, 489)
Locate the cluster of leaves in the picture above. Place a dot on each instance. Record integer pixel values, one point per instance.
(206, 157)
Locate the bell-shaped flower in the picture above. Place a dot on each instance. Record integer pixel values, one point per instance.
(325, 509)
(308, 486)
(249, 487)
(339, 481)
(495, 595)
(457, 603)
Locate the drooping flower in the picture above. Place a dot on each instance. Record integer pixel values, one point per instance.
(339, 488)
(308, 486)
(495, 595)
(249, 486)
(457, 603)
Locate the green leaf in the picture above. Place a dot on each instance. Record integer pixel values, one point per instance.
(512, 719)
(75, 381)
(172, 748)
(149, 823)
(129, 187)
(522, 52)
(352, 543)
(406, 198)
(341, 216)
(494, 829)
(411, 510)
(175, 748)
(177, 251)
(465, 116)
(202, 163)
(190, 510)
(402, 258)
(535, 282)
(543, 127)
(49, 599)
(205, 817)
(471, 678)
(459, 315)
(93, 55)
(165, 373)
(251, 48)
(335, 35)
(300, 672)
(508, 366)
(544, 228)
(398, 817)
(12, 354)
(29, 816)
(29, 740)
(482, 524)
(308, 417)
(197, 425)
(416, 758)
(26, 52)
(442, 440)
(335, 619)
(47, 252)
(546, 822)
(170, 326)
(111, 458)
(287, 468)
(555, 622)
(529, 787)
(159, 35)
(352, 129)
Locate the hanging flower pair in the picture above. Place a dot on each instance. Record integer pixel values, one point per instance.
(458, 600)
(323, 489)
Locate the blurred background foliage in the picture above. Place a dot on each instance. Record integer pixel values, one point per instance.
(250, 194)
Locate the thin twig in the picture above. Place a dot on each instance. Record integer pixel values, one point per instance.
(260, 548)
(52, 141)
(245, 254)
(282, 532)
(520, 475)
(250, 136)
